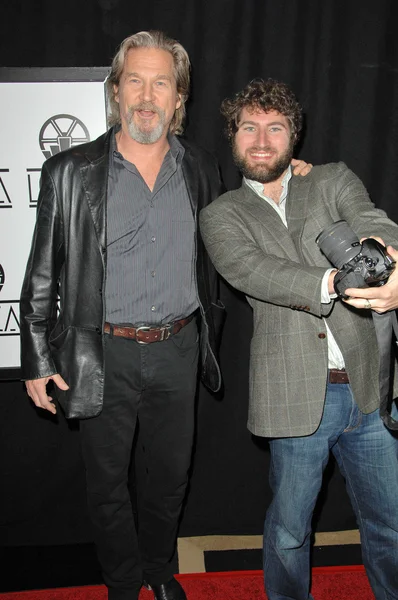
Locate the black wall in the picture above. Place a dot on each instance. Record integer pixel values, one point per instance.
(341, 59)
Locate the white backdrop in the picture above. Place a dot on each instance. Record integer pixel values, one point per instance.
(37, 119)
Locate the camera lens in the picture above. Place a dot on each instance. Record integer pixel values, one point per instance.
(339, 243)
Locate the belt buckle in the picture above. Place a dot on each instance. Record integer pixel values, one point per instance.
(142, 328)
(166, 329)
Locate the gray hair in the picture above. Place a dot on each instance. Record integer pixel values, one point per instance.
(151, 39)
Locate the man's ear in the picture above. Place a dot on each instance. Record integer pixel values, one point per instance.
(116, 92)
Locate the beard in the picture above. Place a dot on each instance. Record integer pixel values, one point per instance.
(145, 132)
(263, 173)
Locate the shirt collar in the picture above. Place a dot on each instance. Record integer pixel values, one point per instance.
(259, 187)
(112, 143)
(177, 150)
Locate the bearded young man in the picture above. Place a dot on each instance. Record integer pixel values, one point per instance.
(314, 367)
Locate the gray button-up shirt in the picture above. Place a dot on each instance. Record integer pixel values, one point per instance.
(150, 243)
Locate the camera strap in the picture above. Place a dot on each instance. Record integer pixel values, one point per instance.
(385, 324)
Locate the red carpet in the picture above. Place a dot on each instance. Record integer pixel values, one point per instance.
(329, 583)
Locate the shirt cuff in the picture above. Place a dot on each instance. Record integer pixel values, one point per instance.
(325, 296)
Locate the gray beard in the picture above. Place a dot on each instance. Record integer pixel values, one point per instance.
(142, 135)
(262, 173)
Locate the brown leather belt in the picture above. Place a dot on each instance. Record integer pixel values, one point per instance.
(338, 376)
(146, 334)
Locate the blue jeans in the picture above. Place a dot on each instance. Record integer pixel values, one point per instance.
(367, 455)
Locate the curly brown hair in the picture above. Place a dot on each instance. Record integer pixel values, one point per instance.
(264, 95)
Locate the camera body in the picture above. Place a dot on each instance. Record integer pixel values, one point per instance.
(372, 266)
(359, 265)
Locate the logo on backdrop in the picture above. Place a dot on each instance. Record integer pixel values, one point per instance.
(61, 132)
(33, 186)
(5, 200)
(9, 310)
(9, 323)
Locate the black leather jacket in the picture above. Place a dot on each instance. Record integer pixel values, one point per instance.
(68, 257)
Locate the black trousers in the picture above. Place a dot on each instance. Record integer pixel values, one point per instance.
(154, 384)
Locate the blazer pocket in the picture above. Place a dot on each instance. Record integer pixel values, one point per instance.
(58, 336)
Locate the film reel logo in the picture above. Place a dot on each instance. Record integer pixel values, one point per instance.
(61, 132)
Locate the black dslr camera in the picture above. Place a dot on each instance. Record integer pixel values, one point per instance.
(359, 265)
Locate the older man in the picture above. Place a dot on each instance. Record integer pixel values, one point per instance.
(117, 231)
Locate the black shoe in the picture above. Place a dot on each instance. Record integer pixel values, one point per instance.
(171, 590)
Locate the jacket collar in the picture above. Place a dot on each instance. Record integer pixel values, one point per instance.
(191, 176)
(99, 148)
(263, 213)
(95, 183)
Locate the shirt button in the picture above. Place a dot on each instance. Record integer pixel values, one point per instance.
(153, 238)
(153, 308)
(153, 273)
(321, 336)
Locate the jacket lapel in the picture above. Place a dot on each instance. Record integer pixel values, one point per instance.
(296, 209)
(267, 217)
(191, 177)
(95, 182)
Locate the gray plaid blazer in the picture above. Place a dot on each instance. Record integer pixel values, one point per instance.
(280, 270)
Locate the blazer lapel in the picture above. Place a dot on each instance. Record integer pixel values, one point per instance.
(95, 183)
(267, 217)
(296, 209)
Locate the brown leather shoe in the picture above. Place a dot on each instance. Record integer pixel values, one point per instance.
(171, 590)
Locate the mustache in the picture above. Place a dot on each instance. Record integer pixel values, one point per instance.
(260, 149)
(145, 106)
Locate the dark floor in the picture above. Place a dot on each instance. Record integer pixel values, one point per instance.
(27, 568)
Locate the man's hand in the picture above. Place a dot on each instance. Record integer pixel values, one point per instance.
(381, 299)
(300, 167)
(36, 389)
